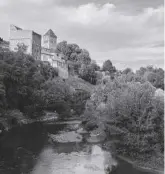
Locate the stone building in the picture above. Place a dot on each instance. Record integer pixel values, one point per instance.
(49, 43)
(48, 54)
(29, 38)
(50, 40)
(44, 52)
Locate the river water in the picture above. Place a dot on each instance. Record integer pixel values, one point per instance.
(53, 149)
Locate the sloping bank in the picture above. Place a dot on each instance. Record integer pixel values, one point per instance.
(153, 165)
(142, 167)
(8, 123)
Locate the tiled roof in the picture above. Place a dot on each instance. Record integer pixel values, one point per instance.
(50, 33)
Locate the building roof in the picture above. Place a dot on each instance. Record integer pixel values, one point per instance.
(50, 33)
(36, 33)
(15, 27)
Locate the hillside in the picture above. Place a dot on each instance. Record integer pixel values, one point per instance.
(78, 83)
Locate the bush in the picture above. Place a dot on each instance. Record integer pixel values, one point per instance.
(132, 109)
(29, 86)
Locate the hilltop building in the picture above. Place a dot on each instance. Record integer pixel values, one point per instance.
(41, 48)
(29, 38)
(48, 46)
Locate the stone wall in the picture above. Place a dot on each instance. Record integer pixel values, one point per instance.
(17, 35)
(49, 42)
(36, 46)
(27, 37)
(47, 55)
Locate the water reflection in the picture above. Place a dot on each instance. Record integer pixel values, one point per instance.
(29, 150)
(75, 162)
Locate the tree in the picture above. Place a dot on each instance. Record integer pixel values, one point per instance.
(84, 57)
(130, 109)
(107, 66)
(127, 70)
(94, 65)
(154, 75)
(1, 39)
(74, 55)
(87, 72)
(61, 48)
(22, 47)
(21, 82)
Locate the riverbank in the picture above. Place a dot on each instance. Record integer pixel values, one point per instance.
(142, 165)
(153, 164)
(48, 117)
(145, 165)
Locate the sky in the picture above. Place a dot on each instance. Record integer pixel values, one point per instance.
(128, 32)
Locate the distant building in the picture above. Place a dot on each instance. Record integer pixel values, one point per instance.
(49, 42)
(29, 38)
(45, 52)
(48, 54)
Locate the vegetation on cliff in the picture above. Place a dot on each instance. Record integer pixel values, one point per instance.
(29, 87)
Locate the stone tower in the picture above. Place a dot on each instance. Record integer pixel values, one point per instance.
(50, 40)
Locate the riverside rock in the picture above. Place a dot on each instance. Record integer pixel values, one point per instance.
(96, 136)
(66, 137)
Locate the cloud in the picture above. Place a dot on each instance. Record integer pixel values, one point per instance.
(91, 14)
(107, 24)
(3, 3)
(118, 36)
(132, 57)
(104, 29)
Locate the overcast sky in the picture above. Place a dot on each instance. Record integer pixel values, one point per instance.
(128, 32)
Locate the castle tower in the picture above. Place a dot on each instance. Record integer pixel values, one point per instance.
(50, 40)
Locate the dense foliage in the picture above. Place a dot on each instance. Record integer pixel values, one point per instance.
(73, 53)
(88, 73)
(154, 75)
(107, 66)
(21, 81)
(79, 61)
(29, 87)
(129, 105)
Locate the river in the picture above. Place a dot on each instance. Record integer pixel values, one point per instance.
(39, 148)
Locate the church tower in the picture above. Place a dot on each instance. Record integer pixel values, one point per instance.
(50, 40)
